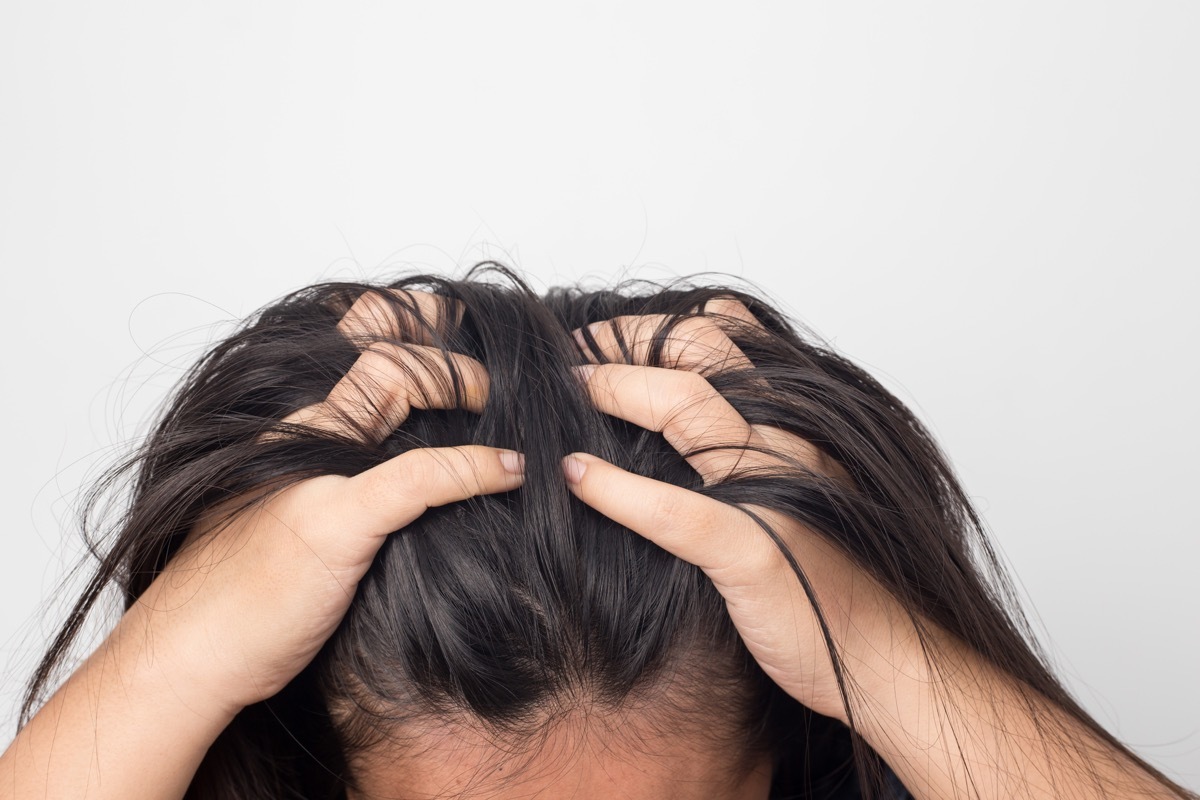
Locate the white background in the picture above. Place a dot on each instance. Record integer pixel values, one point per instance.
(993, 207)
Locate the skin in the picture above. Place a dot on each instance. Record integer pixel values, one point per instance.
(586, 757)
(245, 606)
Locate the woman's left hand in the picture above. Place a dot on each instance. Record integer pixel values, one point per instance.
(949, 723)
(766, 601)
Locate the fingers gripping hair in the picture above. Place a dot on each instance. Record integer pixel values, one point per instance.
(399, 369)
(497, 605)
(401, 315)
(387, 382)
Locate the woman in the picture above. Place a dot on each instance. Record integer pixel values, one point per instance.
(451, 539)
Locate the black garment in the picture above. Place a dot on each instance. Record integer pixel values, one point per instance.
(850, 789)
(822, 766)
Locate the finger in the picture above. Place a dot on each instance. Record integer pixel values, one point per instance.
(802, 454)
(400, 314)
(693, 416)
(387, 382)
(714, 536)
(389, 496)
(732, 314)
(695, 343)
(698, 422)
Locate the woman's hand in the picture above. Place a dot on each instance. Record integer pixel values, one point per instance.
(768, 604)
(952, 724)
(249, 601)
(250, 597)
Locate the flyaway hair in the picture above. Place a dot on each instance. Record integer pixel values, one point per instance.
(514, 611)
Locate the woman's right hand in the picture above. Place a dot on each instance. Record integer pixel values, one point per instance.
(248, 601)
(252, 594)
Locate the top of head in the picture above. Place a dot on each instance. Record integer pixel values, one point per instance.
(518, 609)
(505, 612)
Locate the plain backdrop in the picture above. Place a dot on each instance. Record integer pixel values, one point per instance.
(993, 207)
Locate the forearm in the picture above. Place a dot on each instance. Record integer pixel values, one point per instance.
(125, 725)
(965, 729)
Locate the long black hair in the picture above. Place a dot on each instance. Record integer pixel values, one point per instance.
(507, 609)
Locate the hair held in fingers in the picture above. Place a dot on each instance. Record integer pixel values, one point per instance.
(514, 611)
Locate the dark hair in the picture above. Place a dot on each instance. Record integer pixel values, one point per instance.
(510, 609)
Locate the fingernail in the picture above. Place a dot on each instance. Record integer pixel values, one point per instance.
(512, 461)
(573, 468)
(578, 334)
(584, 371)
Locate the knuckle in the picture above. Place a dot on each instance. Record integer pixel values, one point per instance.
(418, 467)
(794, 452)
(630, 336)
(691, 386)
(413, 314)
(459, 463)
(597, 339)
(422, 314)
(424, 376)
(417, 474)
(611, 335)
(697, 327)
(414, 374)
(669, 513)
(404, 314)
(366, 320)
(383, 358)
(699, 344)
(682, 395)
(732, 308)
(384, 377)
(441, 311)
(398, 363)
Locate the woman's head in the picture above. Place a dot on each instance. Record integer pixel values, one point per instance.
(526, 634)
(511, 638)
(526, 628)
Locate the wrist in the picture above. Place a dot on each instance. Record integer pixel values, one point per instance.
(883, 656)
(918, 710)
(951, 719)
(126, 724)
(166, 665)
(897, 688)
